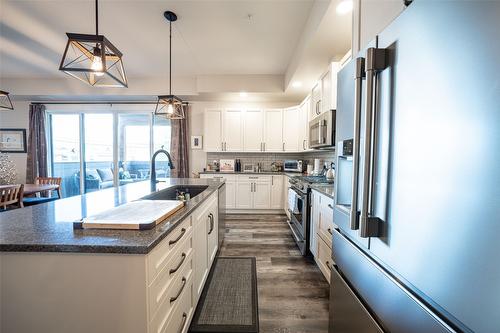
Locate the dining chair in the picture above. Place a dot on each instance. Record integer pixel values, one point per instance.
(35, 200)
(50, 181)
(11, 195)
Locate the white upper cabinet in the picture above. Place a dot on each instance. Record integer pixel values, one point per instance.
(232, 130)
(290, 129)
(303, 124)
(315, 100)
(273, 130)
(326, 91)
(253, 130)
(213, 130)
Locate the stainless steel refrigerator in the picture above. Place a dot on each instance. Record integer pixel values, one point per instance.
(417, 199)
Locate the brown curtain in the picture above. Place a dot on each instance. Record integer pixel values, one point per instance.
(179, 146)
(37, 144)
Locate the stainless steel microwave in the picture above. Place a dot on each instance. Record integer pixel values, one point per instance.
(322, 131)
(293, 166)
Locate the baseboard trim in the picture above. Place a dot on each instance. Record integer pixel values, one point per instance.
(255, 211)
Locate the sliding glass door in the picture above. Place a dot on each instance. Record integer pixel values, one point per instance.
(65, 151)
(87, 148)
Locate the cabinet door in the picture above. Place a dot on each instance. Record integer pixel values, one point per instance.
(212, 232)
(316, 100)
(304, 124)
(290, 129)
(326, 91)
(286, 187)
(315, 211)
(244, 194)
(273, 130)
(213, 130)
(200, 259)
(233, 130)
(277, 192)
(262, 195)
(230, 194)
(253, 130)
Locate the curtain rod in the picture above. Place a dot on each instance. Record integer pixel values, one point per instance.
(90, 103)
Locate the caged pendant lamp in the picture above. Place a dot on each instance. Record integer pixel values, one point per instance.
(170, 106)
(93, 59)
(5, 102)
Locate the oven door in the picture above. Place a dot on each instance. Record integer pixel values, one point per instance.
(298, 217)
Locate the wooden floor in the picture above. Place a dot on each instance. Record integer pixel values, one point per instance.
(293, 294)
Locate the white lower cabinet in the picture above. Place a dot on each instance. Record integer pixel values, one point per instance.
(321, 231)
(262, 194)
(277, 192)
(244, 194)
(230, 187)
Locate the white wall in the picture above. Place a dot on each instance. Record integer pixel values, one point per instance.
(17, 119)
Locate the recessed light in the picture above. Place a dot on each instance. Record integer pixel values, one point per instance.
(243, 94)
(296, 84)
(344, 7)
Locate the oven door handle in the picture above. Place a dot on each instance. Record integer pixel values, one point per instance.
(297, 239)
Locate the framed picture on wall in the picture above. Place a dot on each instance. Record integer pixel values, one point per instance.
(13, 140)
(196, 142)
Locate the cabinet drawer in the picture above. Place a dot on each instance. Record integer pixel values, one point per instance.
(176, 292)
(325, 225)
(324, 258)
(161, 254)
(254, 178)
(159, 289)
(183, 312)
(219, 176)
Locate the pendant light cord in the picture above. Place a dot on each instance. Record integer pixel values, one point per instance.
(97, 17)
(170, 60)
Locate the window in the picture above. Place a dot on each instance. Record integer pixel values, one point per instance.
(96, 144)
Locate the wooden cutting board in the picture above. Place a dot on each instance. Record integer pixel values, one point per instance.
(135, 215)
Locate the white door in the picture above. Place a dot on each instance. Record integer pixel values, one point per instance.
(212, 130)
(273, 130)
(262, 194)
(230, 194)
(244, 194)
(290, 129)
(253, 130)
(233, 130)
(200, 259)
(304, 124)
(277, 192)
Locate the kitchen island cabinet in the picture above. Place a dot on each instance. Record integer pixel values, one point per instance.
(56, 279)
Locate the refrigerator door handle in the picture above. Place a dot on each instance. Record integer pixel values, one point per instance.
(375, 62)
(358, 84)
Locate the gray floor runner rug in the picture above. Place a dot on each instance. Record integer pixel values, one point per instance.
(228, 303)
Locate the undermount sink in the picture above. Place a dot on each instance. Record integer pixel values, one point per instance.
(171, 192)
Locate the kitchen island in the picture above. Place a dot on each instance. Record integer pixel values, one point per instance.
(54, 278)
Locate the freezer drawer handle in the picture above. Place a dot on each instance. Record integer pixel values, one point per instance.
(375, 62)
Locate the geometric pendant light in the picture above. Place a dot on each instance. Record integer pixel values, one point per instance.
(93, 59)
(5, 102)
(170, 106)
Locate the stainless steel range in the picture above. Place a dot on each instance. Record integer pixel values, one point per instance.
(299, 207)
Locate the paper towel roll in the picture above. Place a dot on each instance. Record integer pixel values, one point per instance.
(316, 166)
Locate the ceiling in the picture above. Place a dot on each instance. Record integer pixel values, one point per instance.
(228, 37)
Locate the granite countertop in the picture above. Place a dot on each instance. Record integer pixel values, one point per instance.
(326, 189)
(49, 227)
(289, 174)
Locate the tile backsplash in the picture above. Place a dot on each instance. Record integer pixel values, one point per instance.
(265, 159)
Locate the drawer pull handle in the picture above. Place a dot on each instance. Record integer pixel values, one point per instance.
(328, 265)
(183, 231)
(330, 231)
(173, 299)
(184, 319)
(173, 270)
(211, 217)
(330, 206)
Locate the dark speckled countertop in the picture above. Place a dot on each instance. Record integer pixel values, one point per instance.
(326, 189)
(49, 227)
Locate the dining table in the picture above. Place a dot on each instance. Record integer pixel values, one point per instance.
(31, 189)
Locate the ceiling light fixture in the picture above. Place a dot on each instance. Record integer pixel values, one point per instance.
(297, 84)
(344, 7)
(5, 102)
(93, 59)
(243, 94)
(170, 106)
